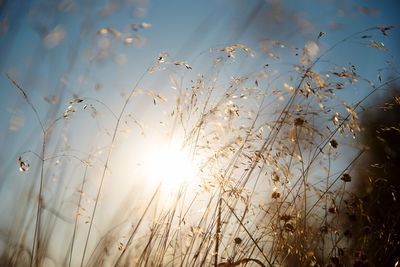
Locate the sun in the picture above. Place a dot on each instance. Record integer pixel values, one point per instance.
(171, 166)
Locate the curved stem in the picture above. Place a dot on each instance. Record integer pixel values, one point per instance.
(106, 165)
(36, 235)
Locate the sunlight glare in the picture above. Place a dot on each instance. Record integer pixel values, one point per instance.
(170, 166)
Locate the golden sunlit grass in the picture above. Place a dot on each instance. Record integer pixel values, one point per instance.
(253, 181)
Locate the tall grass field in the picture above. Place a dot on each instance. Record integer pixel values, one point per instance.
(275, 151)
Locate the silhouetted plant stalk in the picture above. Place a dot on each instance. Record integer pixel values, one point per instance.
(36, 234)
(107, 162)
(77, 215)
(218, 232)
(129, 242)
